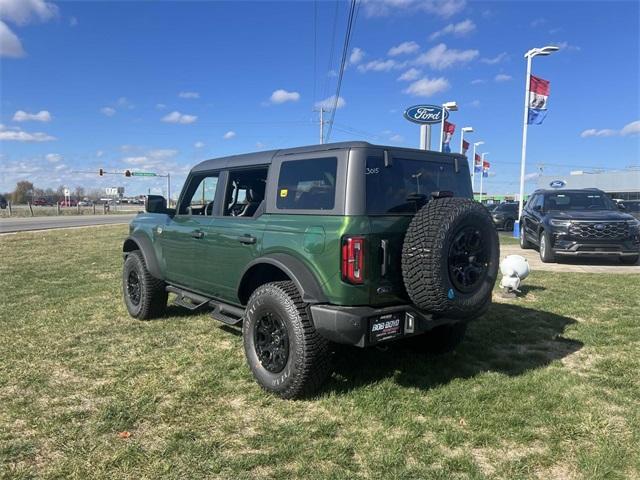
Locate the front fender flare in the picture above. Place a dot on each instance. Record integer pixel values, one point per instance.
(298, 272)
(143, 243)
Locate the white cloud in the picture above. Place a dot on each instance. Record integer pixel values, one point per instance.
(19, 135)
(441, 57)
(497, 59)
(357, 54)
(60, 167)
(478, 81)
(177, 117)
(124, 102)
(53, 157)
(404, 48)
(189, 95)
(426, 87)
(10, 45)
(396, 138)
(99, 153)
(442, 8)
(229, 135)
(566, 46)
(475, 103)
(502, 77)
(160, 106)
(136, 160)
(457, 29)
(73, 22)
(538, 22)
(162, 153)
(260, 145)
(381, 65)
(22, 12)
(41, 116)
(282, 96)
(198, 145)
(531, 176)
(629, 129)
(410, 75)
(108, 111)
(327, 103)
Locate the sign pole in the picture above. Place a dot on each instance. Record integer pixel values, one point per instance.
(524, 139)
(425, 137)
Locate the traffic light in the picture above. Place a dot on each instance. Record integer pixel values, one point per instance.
(127, 173)
(101, 172)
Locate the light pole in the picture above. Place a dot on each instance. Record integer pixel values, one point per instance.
(482, 173)
(473, 163)
(534, 52)
(447, 106)
(464, 130)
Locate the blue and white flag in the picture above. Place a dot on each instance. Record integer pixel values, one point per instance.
(538, 98)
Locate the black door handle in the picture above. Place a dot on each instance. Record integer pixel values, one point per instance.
(247, 239)
(197, 234)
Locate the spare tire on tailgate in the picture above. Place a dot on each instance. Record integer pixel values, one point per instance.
(450, 258)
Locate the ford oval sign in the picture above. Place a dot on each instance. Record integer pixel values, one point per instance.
(425, 114)
(557, 184)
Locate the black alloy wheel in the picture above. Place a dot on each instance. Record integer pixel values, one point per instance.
(271, 342)
(468, 259)
(133, 287)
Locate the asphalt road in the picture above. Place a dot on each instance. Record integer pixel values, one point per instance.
(8, 225)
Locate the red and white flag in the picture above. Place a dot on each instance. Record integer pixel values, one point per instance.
(465, 147)
(539, 90)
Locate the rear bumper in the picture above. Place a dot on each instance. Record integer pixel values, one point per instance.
(353, 325)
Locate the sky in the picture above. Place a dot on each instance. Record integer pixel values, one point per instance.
(160, 86)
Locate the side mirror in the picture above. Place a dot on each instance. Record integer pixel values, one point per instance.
(621, 206)
(155, 204)
(538, 208)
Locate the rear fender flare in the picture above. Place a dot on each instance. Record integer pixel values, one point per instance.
(143, 243)
(306, 282)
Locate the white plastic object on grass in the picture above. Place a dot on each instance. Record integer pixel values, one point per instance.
(514, 269)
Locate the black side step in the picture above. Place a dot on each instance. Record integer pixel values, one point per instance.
(227, 314)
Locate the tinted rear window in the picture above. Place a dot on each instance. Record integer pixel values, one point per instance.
(307, 184)
(406, 185)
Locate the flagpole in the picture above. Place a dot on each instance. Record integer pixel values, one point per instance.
(525, 124)
(473, 170)
(482, 174)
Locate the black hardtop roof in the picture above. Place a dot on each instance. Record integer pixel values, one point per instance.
(266, 157)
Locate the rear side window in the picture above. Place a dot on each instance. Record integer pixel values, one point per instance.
(307, 184)
(406, 185)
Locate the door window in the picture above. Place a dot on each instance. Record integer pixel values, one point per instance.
(200, 196)
(245, 192)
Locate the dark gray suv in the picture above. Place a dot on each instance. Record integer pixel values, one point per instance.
(579, 223)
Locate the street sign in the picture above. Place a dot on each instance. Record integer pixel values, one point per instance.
(143, 174)
(67, 192)
(426, 114)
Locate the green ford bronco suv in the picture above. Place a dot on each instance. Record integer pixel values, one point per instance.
(347, 243)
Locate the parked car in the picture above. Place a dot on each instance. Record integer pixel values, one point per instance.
(42, 202)
(69, 203)
(349, 243)
(579, 223)
(504, 215)
(3, 202)
(632, 207)
(85, 203)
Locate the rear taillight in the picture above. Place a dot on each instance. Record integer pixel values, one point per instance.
(353, 259)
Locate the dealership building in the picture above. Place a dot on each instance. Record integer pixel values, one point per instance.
(621, 184)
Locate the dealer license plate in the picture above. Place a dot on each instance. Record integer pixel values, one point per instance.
(386, 327)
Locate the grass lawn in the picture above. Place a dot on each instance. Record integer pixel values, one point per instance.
(547, 386)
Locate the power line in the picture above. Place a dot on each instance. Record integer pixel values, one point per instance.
(315, 48)
(343, 63)
(325, 90)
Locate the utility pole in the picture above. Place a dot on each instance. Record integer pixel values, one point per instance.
(322, 122)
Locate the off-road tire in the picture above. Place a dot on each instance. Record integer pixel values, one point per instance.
(440, 340)
(632, 260)
(546, 253)
(152, 301)
(425, 257)
(524, 243)
(308, 362)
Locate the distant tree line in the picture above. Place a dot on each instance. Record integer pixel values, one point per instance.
(26, 192)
